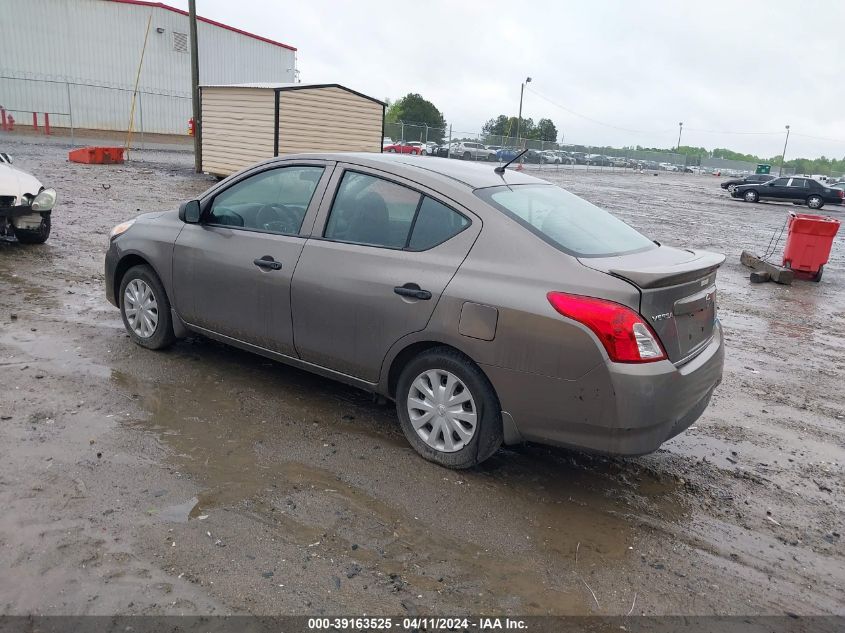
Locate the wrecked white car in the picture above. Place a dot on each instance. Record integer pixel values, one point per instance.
(25, 204)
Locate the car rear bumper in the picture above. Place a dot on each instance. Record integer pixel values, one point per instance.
(616, 408)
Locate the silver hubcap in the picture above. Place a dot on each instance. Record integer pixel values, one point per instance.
(731, 188)
(141, 308)
(814, 203)
(442, 410)
(750, 196)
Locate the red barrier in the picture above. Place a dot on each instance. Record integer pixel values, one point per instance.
(47, 123)
(35, 121)
(3, 119)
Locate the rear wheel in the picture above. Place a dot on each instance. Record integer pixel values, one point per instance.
(145, 308)
(815, 202)
(467, 156)
(448, 409)
(751, 196)
(818, 276)
(34, 236)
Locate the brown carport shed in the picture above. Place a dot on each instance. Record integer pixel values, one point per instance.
(245, 123)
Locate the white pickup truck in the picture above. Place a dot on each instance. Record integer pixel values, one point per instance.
(25, 204)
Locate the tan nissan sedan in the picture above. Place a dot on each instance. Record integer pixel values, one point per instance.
(491, 306)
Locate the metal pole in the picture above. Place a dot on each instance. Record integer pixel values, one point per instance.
(195, 83)
(680, 131)
(141, 113)
(783, 156)
(449, 146)
(70, 111)
(519, 118)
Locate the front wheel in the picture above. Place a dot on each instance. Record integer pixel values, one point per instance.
(731, 188)
(751, 196)
(35, 236)
(815, 202)
(145, 308)
(391, 151)
(448, 409)
(467, 156)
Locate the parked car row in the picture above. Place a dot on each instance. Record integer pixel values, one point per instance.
(472, 150)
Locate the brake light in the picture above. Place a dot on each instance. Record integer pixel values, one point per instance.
(841, 193)
(624, 334)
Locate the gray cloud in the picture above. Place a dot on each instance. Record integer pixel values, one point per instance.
(715, 65)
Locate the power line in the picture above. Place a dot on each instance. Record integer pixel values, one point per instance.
(666, 131)
(584, 116)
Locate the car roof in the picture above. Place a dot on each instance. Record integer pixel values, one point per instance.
(471, 174)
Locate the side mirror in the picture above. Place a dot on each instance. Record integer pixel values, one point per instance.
(189, 212)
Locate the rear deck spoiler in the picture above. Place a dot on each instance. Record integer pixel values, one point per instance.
(664, 275)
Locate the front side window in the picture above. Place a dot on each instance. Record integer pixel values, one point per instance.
(273, 201)
(372, 211)
(566, 221)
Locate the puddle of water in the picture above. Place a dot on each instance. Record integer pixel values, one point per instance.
(181, 512)
(243, 428)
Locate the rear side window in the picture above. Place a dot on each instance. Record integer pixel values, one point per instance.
(375, 212)
(779, 182)
(566, 221)
(435, 224)
(798, 182)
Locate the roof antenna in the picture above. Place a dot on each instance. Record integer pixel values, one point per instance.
(501, 168)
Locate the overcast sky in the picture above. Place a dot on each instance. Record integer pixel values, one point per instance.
(718, 66)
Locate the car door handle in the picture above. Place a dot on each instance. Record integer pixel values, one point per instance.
(413, 291)
(267, 262)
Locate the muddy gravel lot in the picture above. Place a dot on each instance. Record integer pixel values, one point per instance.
(204, 480)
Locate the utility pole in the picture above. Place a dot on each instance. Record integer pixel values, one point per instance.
(783, 156)
(195, 86)
(519, 118)
(680, 131)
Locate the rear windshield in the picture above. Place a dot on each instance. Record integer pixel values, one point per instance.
(566, 221)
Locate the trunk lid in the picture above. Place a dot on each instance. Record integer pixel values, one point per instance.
(677, 293)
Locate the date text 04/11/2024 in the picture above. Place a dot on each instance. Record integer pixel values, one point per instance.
(417, 623)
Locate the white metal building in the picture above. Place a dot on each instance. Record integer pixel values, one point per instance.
(79, 58)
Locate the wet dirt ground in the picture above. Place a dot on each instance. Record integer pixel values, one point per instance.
(207, 480)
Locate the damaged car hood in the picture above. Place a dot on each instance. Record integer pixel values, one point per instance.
(16, 182)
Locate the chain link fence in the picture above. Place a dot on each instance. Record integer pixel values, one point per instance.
(76, 105)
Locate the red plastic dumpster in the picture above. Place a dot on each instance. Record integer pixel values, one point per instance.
(808, 243)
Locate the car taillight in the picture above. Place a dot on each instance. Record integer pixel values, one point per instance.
(624, 334)
(841, 193)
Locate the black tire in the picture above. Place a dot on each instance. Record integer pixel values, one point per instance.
(163, 335)
(391, 151)
(467, 156)
(818, 276)
(35, 236)
(815, 202)
(488, 433)
(751, 196)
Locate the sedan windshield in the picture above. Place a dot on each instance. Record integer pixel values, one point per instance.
(566, 221)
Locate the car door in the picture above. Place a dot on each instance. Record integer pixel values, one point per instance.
(232, 270)
(382, 252)
(776, 189)
(797, 189)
